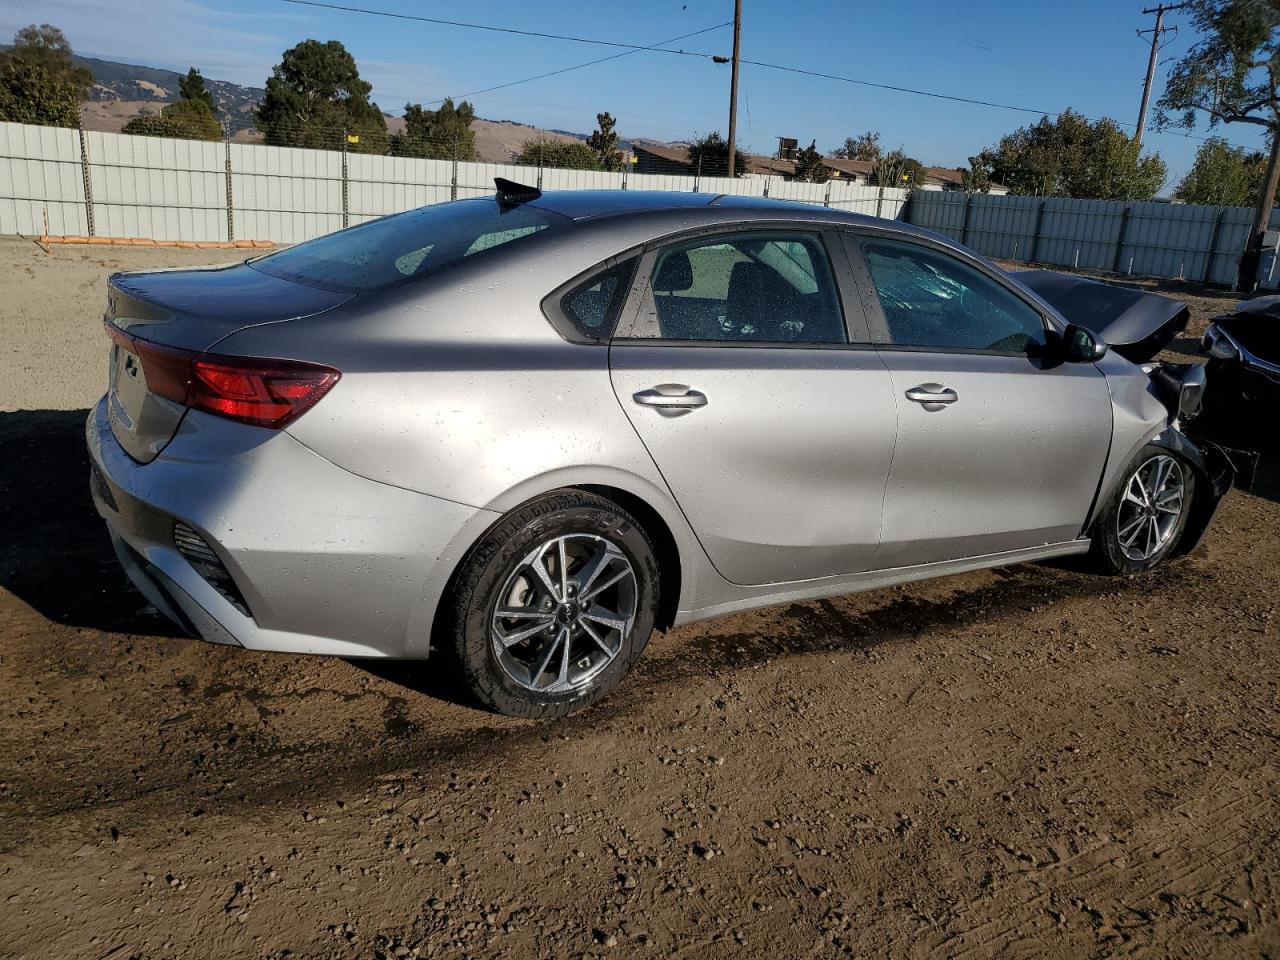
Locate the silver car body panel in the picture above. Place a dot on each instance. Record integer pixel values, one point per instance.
(459, 401)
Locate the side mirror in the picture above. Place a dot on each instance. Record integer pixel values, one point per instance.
(1082, 346)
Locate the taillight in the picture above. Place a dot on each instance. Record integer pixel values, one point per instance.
(262, 392)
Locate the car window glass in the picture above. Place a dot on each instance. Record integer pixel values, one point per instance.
(592, 305)
(756, 287)
(931, 299)
(409, 263)
(405, 246)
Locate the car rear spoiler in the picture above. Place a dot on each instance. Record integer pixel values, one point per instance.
(1134, 323)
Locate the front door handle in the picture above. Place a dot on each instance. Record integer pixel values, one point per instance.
(932, 396)
(671, 399)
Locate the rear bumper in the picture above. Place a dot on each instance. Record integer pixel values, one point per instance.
(326, 562)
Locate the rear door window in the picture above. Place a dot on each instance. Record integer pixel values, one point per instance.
(406, 246)
(767, 287)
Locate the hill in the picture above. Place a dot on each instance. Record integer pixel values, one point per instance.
(122, 91)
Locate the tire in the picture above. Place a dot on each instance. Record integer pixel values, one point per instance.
(582, 655)
(1119, 547)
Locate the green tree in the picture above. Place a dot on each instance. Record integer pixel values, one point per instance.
(896, 169)
(864, 147)
(440, 134)
(1232, 75)
(569, 155)
(39, 81)
(709, 156)
(1071, 157)
(314, 96)
(1223, 175)
(184, 119)
(191, 87)
(46, 47)
(604, 141)
(809, 165)
(976, 179)
(28, 94)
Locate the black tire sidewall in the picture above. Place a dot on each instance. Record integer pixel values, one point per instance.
(486, 571)
(1106, 540)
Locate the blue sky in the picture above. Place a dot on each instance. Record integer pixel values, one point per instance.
(1045, 56)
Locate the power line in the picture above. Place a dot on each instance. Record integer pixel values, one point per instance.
(659, 48)
(344, 8)
(943, 96)
(589, 63)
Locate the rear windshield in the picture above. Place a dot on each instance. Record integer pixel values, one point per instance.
(405, 246)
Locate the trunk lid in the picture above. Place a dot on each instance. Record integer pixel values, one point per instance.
(1134, 323)
(179, 314)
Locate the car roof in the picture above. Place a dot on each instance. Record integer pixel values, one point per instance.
(593, 204)
(661, 209)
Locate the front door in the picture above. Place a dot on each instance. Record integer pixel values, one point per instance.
(773, 431)
(999, 447)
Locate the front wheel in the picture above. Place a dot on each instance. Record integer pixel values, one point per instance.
(1142, 522)
(553, 607)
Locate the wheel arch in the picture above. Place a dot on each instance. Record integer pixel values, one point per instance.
(664, 545)
(1214, 476)
(673, 540)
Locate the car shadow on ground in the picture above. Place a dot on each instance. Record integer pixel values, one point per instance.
(55, 554)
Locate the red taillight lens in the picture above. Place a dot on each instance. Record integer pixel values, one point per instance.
(262, 392)
(269, 393)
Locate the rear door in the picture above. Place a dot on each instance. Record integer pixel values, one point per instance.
(999, 447)
(744, 367)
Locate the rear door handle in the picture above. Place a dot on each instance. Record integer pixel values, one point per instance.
(671, 399)
(932, 396)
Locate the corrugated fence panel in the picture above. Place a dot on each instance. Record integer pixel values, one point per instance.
(1143, 238)
(738, 186)
(580, 180)
(999, 226)
(157, 187)
(476, 179)
(1167, 240)
(285, 194)
(40, 174)
(659, 181)
(938, 211)
(794, 190)
(171, 189)
(377, 186)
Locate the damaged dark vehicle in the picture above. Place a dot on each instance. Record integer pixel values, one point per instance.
(1244, 368)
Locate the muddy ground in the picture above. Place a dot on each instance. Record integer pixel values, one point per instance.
(1021, 762)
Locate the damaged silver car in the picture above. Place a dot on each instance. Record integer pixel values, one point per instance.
(513, 436)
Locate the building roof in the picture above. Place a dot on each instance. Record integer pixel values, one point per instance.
(772, 167)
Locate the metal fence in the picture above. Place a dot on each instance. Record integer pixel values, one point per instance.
(87, 183)
(1197, 243)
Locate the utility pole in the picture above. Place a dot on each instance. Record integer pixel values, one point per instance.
(1156, 32)
(733, 86)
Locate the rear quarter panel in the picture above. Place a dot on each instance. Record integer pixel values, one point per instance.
(462, 390)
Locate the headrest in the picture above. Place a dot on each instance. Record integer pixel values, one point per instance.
(674, 273)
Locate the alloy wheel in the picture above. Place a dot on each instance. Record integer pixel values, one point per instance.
(564, 613)
(1152, 505)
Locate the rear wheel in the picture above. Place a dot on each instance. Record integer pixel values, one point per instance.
(1142, 522)
(553, 607)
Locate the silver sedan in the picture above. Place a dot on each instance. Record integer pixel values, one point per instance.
(518, 434)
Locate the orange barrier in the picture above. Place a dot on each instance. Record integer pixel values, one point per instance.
(146, 242)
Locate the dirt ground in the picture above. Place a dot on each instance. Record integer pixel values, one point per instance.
(1021, 762)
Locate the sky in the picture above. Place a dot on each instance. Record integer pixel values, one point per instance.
(1044, 56)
